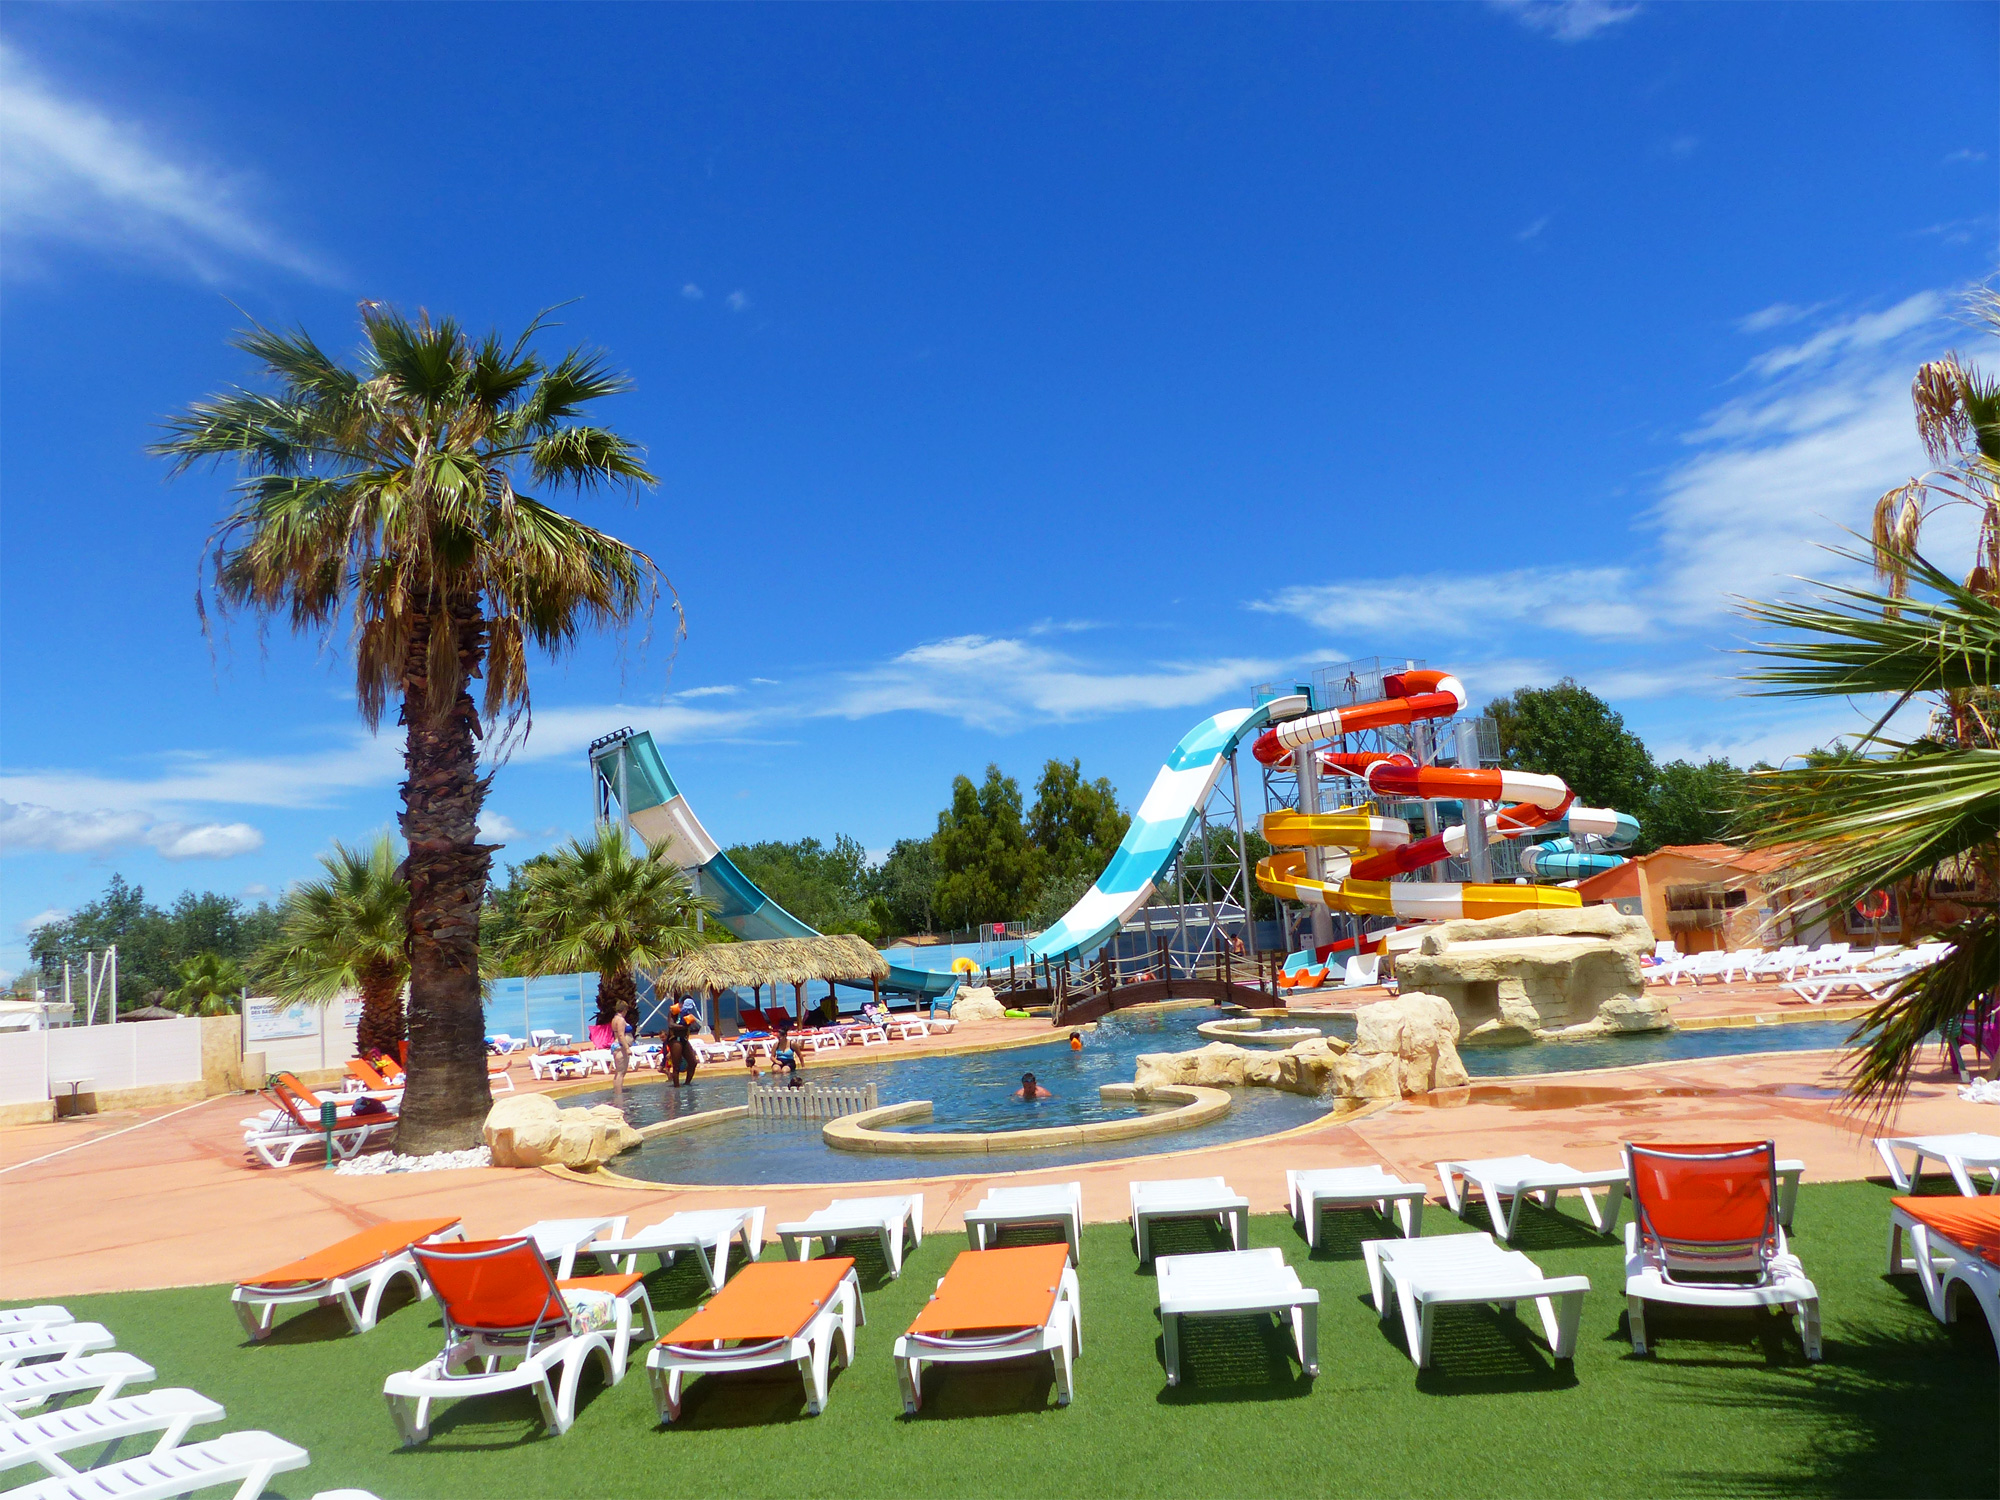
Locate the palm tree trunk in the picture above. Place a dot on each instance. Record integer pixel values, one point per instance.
(614, 985)
(448, 1094)
(381, 1028)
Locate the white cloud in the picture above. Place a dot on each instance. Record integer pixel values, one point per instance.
(69, 175)
(29, 826)
(1862, 332)
(737, 301)
(44, 918)
(1568, 20)
(496, 828)
(725, 690)
(1583, 601)
(256, 890)
(1964, 156)
(1533, 231)
(692, 292)
(1777, 315)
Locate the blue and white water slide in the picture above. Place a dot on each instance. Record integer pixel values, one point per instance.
(631, 772)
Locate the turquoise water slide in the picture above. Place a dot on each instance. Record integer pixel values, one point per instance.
(631, 773)
(1162, 821)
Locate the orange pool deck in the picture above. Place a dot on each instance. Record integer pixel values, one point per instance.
(174, 1202)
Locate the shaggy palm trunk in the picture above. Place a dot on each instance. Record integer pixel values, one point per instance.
(614, 985)
(448, 1094)
(381, 1027)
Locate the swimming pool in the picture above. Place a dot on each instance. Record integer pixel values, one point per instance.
(974, 1092)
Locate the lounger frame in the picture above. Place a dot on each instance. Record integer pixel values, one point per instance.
(1061, 1337)
(811, 1349)
(257, 1305)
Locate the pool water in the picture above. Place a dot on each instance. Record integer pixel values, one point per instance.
(974, 1092)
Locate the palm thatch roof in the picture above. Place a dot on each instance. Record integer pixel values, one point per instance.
(773, 961)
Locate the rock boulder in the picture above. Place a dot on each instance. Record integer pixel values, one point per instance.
(532, 1130)
(976, 1003)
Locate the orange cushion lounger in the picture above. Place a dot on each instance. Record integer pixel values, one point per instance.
(774, 1313)
(500, 1303)
(1952, 1240)
(995, 1305)
(284, 1132)
(366, 1262)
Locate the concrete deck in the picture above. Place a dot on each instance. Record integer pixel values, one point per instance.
(167, 1198)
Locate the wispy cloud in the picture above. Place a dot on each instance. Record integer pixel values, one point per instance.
(1583, 601)
(43, 918)
(72, 175)
(721, 690)
(1860, 333)
(1568, 20)
(737, 301)
(1777, 315)
(692, 292)
(1964, 156)
(1533, 231)
(26, 826)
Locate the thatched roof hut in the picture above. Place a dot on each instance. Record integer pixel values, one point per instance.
(841, 957)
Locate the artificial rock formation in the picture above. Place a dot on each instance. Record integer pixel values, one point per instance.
(532, 1130)
(1401, 1046)
(1538, 975)
(976, 1003)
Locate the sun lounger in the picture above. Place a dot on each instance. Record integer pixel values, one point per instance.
(62, 1341)
(996, 1305)
(1513, 1179)
(773, 1313)
(559, 1240)
(884, 1220)
(705, 1232)
(245, 1459)
(366, 1263)
(1457, 1270)
(1232, 1283)
(557, 1065)
(1310, 1194)
(44, 1440)
(906, 1029)
(27, 1386)
(1187, 1198)
(1711, 1210)
(1952, 1240)
(1060, 1204)
(277, 1139)
(500, 1303)
(363, 1075)
(1962, 1155)
(502, 1044)
(20, 1319)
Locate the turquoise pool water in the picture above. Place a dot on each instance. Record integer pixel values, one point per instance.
(974, 1092)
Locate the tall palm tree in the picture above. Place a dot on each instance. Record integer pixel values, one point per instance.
(1923, 814)
(209, 985)
(392, 493)
(601, 904)
(348, 930)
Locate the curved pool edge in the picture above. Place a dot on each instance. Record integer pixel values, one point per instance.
(1194, 1105)
(606, 1177)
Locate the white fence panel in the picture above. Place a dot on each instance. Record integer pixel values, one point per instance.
(135, 1055)
(24, 1074)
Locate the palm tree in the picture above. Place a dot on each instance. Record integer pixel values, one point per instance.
(1923, 814)
(603, 905)
(347, 931)
(209, 985)
(391, 493)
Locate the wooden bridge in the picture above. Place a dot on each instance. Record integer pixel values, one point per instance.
(1076, 994)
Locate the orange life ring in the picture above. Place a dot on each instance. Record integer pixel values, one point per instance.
(1873, 907)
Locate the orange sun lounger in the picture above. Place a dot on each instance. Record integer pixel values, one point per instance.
(1952, 1241)
(994, 1305)
(772, 1313)
(366, 1262)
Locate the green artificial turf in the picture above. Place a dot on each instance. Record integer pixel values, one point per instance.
(1728, 1406)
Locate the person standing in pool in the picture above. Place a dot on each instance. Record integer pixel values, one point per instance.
(1029, 1091)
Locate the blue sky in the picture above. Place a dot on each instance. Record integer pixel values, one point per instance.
(1024, 381)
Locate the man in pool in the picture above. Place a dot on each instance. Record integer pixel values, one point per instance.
(1031, 1090)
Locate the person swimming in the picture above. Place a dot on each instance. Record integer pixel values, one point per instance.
(1076, 1041)
(1031, 1090)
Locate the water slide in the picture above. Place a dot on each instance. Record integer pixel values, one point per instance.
(1587, 837)
(630, 770)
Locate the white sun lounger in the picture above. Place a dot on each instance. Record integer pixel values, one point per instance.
(63, 1341)
(1187, 1198)
(245, 1459)
(1962, 1155)
(28, 1386)
(1060, 1334)
(1514, 1179)
(43, 1440)
(560, 1239)
(706, 1232)
(1458, 1270)
(1939, 1259)
(21, 1319)
(1310, 1193)
(1230, 1283)
(884, 1220)
(1059, 1203)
